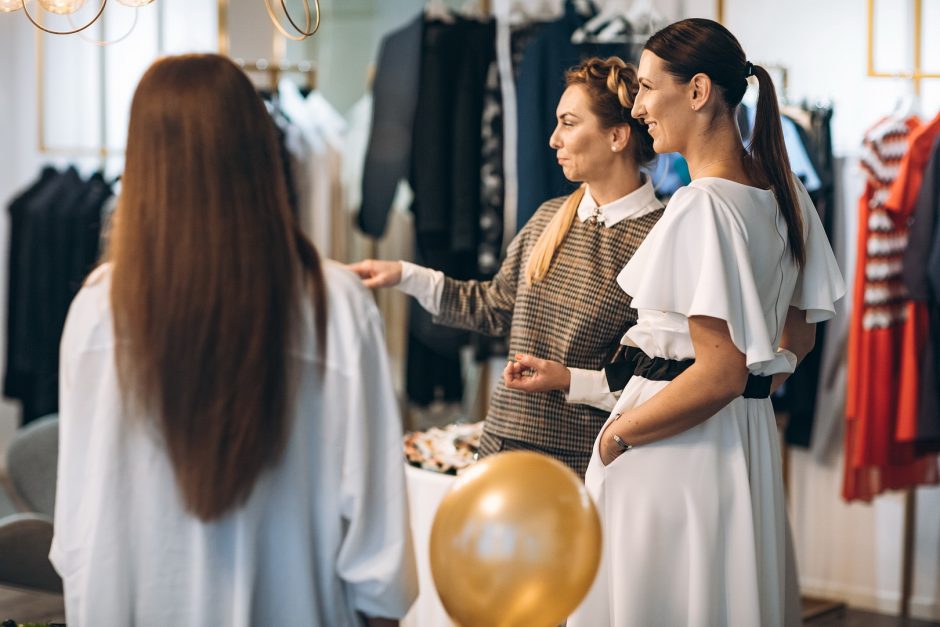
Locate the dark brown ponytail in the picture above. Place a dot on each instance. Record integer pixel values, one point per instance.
(701, 46)
(768, 154)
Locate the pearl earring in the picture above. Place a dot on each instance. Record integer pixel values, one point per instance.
(613, 148)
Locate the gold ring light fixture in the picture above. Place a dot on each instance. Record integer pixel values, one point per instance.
(292, 30)
(311, 18)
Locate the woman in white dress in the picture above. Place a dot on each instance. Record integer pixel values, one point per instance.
(729, 285)
(229, 442)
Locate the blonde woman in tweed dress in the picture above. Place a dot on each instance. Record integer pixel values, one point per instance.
(556, 292)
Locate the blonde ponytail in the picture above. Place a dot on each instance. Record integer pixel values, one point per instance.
(548, 243)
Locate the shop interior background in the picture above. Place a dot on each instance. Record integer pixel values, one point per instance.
(849, 552)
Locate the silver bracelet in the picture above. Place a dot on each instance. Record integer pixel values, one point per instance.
(624, 447)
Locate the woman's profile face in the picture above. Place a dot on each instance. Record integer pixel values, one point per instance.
(582, 145)
(663, 104)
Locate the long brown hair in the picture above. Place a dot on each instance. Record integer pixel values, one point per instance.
(698, 45)
(612, 87)
(208, 269)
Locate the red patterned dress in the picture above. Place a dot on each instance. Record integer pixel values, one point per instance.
(881, 373)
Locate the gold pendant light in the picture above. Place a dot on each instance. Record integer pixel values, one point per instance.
(299, 33)
(294, 31)
(62, 7)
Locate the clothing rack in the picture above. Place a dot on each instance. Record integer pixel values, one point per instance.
(916, 76)
(274, 70)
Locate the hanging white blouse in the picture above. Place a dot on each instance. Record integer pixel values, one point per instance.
(721, 250)
(324, 535)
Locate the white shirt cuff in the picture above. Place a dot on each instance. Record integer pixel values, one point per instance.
(589, 387)
(424, 284)
(790, 357)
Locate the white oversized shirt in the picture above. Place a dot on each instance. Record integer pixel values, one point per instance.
(324, 535)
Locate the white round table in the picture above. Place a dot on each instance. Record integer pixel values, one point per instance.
(426, 489)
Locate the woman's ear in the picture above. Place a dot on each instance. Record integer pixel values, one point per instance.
(620, 137)
(700, 91)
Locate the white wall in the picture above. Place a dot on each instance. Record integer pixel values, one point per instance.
(18, 158)
(851, 552)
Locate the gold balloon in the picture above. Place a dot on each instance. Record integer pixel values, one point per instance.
(516, 542)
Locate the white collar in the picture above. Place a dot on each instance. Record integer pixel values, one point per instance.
(636, 204)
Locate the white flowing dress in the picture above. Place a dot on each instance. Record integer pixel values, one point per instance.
(695, 527)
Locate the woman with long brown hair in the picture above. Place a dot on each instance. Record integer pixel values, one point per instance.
(229, 436)
(729, 285)
(555, 292)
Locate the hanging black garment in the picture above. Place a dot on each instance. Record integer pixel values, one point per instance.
(395, 96)
(446, 179)
(56, 245)
(73, 228)
(539, 87)
(447, 143)
(921, 275)
(433, 370)
(16, 379)
(476, 59)
(798, 395)
(36, 264)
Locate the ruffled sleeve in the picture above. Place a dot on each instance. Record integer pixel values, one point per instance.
(820, 283)
(695, 262)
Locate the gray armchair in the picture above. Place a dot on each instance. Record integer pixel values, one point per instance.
(26, 516)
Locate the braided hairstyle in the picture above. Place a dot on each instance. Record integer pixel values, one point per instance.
(612, 86)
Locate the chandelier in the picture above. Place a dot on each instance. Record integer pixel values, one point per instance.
(293, 30)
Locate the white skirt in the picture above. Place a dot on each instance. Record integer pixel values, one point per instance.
(695, 527)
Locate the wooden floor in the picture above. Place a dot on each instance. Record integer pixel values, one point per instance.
(31, 607)
(25, 607)
(857, 618)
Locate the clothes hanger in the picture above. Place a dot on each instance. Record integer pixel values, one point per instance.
(585, 7)
(473, 9)
(526, 11)
(907, 105)
(607, 12)
(616, 22)
(643, 12)
(437, 10)
(645, 20)
(617, 30)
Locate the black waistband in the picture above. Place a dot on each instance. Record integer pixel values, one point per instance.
(634, 362)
